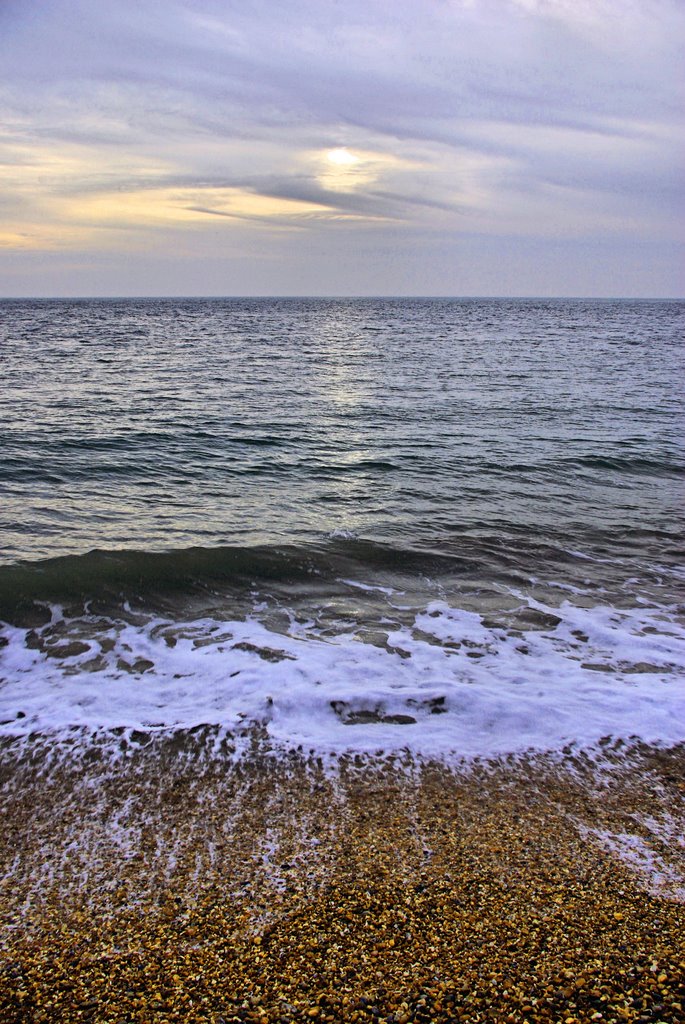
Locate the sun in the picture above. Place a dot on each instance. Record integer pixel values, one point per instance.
(341, 157)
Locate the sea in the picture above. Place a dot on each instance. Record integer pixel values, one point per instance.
(446, 527)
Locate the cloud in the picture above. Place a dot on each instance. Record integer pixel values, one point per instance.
(532, 119)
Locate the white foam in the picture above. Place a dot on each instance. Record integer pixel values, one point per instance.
(658, 876)
(473, 689)
(367, 586)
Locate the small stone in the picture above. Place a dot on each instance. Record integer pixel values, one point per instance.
(69, 650)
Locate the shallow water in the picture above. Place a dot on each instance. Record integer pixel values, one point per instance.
(447, 525)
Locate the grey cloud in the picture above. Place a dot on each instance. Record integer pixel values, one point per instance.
(371, 67)
(264, 221)
(297, 188)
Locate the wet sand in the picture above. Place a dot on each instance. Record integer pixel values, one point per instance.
(178, 884)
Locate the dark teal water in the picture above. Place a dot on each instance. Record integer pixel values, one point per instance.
(477, 437)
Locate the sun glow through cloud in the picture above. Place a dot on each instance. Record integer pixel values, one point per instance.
(342, 157)
(345, 171)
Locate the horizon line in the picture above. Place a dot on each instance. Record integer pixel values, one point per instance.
(303, 295)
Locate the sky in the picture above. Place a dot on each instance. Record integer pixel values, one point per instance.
(342, 147)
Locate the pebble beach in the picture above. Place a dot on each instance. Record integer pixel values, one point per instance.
(174, 882)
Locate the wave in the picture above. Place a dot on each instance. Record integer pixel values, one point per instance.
(513, 556)
(668, 465)
(124, 573)
(182, 460)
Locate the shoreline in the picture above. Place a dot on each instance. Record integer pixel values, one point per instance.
(175, 884)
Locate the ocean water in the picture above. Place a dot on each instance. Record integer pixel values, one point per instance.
(452, 527)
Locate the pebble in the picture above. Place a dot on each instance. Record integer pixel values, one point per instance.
(174, 885)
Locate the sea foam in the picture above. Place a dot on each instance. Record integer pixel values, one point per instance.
(452, 685)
